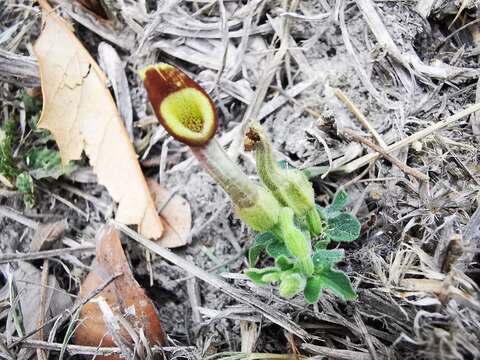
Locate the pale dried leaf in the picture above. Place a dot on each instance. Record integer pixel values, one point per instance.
(79, 111)
(175, 213)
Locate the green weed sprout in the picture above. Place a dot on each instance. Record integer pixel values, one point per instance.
(293, 230)
(21, 171)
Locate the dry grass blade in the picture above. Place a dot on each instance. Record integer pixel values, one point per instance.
(242, 296)
(364, 160)
(405, 168)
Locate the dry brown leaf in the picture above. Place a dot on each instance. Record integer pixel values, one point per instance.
(79, 111)
(46, 235)
(124, 296)
(175, 213)
(95, 7)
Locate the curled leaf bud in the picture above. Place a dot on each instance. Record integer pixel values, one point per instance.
(291, 284)
(295, 240)
(181, 105)
(314, 222)
(291, 187)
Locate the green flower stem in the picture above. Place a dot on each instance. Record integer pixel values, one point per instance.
(291, 187)
(226, 173)
(254, 205)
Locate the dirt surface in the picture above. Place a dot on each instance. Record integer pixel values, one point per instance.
(404, 65)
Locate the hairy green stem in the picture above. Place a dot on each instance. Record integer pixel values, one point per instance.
(226, 173)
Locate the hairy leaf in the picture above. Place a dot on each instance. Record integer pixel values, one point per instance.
(339, 202)
(313, 289)
(260, 243)
(338, 283)
(325, 258)
(263, 276)
(344, 227)
(284, 263)
(291, 284)
(277, 248)
(7, 165)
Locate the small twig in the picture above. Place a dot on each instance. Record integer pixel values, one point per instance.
(91, 350)
(12, 214)
(360, 162)
(5, 258)
(360, 117)
(324, 351)
(41, 355)
(66, 313)
(405, 168)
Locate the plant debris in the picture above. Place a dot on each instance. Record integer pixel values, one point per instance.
(400, 77)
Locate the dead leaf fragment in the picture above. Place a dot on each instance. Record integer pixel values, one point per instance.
(28, 284)
(81, 114)
(129, 305)
(46, 235)
(175, 213)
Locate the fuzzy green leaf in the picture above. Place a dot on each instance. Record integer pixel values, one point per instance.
(322, 212)
(326, 258)
(338, 283)
(344, 227)
(283, 263)
(313, 289)
(260, 243)
(339, 202)
(263, 276)
(277, 248)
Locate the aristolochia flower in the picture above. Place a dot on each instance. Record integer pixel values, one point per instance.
(188, 114)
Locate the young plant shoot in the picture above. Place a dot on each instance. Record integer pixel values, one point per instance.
(292, 229)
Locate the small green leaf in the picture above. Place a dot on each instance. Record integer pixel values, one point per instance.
(264, 238)
(321, 244)
(283, 263)
(338, 283)
(7, 137)
(262, 276)
(260, 243)
(344, 227)
(322, 212)
(277, 248)
(339, 202)
(326, 258)
(254, 253)
(24, 184)
(313, 289)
